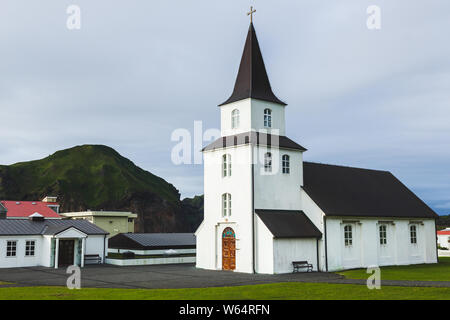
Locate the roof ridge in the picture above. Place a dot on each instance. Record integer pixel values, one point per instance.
(345, 166)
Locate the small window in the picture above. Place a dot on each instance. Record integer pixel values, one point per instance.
(413, 234)
(285, 163)
(348, 236)
(235, 119)
(30, 248)
(11, 248)
(268, 162)
(383, 235)
(268, 118)
(226, 165)
(226, 205)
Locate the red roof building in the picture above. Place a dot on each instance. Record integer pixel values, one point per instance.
(24, 209)
(444, 232)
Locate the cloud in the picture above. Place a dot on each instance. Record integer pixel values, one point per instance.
(137, 70)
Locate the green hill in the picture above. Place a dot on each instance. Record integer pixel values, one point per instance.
(98, 178)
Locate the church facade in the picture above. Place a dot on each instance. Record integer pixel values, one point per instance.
(265, 207)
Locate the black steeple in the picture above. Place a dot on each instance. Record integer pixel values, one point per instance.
(252, 80)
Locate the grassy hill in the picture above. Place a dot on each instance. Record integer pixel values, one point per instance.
(97, 177)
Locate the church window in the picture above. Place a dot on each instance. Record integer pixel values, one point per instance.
(348, 237)
(235, 119)
(226, 205)
(226, 165)
(268, 118)
(286, 164)
(383, 234)
(268, 162)
(413, 234)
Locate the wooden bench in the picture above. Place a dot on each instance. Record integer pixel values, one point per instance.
(298, 265)
(92, 259)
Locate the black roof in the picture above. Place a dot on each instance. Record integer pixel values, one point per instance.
(257, 138)
(288, 224)
(46, 227)
(152, 241)
(346, 191)
(252, 80)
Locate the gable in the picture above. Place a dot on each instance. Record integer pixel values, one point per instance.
(346, 191)
(71, 233)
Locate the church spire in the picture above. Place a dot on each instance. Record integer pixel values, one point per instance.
(252, 80)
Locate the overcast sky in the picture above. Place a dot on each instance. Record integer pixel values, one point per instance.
(138, 70)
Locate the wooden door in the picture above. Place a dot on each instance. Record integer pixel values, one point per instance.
(228, 249)
(66, 253)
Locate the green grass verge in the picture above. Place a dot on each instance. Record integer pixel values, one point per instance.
(422, 272)
(278, 291)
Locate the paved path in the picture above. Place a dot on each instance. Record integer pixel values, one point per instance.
(174, 276)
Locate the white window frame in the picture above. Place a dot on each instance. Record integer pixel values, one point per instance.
(28, 248)
(226, 165)
(413, 234)
(286, 163)
(267, 118)
(8, 248)
(382, 230)
(235, 119)
(226, 205)
(348, 235)
(268, 162)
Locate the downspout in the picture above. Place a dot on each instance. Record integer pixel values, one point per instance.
(326, 242)
(435, 241)
(253, 211)
(317, 247)
(104, 250)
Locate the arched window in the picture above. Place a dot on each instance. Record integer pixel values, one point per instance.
(226, 165)
(413, 234)
(268, 162)
(226, 205)
(286, 164)
(235, 119)
(268, 118)
(348, 236)
(383, 234)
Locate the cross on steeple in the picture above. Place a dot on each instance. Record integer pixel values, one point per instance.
(251, 14)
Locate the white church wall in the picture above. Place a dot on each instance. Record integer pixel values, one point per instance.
(277, 190)
(251, 117)
(288, 250)
(278, 116)
(245, 109)
(264, 248)
(209, 241)
(366, 249)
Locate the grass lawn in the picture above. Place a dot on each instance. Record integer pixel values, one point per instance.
(282, 291)
(423, 272)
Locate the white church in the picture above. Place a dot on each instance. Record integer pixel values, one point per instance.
(266, 208)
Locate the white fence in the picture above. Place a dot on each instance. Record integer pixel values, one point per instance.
(150, 261)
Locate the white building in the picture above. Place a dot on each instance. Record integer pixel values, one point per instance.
(50, 242)
(265, 207)
(443, 238)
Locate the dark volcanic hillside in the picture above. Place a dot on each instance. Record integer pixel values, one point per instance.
(98, 178)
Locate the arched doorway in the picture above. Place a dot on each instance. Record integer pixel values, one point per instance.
(228, 249)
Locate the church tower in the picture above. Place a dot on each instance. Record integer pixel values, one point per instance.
(253, 169)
